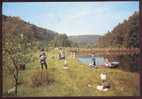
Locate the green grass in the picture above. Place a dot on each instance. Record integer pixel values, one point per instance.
(75, 80)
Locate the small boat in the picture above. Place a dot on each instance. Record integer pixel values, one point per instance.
(112, 64)
(115, 63)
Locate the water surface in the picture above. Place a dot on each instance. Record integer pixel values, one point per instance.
(100, 60)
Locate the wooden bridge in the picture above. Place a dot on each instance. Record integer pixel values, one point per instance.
(104, 51)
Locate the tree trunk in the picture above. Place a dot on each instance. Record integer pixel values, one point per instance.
(15, 74)
(16, 81)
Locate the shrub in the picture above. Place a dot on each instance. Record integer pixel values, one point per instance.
(41, 77)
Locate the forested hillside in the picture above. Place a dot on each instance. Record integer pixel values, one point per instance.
(15, 24)
(33, 34)
(85, 40)
(125, 34)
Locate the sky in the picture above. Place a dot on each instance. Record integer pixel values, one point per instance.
(73, 18)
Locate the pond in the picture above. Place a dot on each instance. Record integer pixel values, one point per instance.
(127, 62)
(100, 60)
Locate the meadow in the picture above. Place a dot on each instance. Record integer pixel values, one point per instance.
(77, 80)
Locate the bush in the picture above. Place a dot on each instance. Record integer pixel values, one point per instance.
(41, 77)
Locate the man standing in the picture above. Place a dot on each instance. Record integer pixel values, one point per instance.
(43, 58)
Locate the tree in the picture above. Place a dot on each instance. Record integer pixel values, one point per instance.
(125, 34)
(61, 40)
(15, 47)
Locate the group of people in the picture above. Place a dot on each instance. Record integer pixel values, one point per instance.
(104, 86)
(61, 56)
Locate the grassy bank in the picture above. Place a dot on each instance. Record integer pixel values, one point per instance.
(74, 81)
